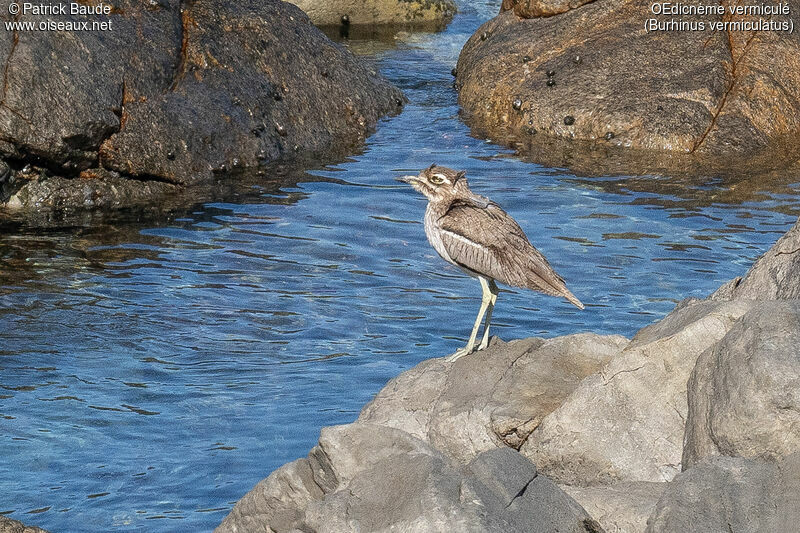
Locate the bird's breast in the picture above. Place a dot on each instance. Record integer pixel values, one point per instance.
(434, 233)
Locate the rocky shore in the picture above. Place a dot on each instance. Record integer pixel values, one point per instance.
(178, 95)
(691, 425)
(590, 73)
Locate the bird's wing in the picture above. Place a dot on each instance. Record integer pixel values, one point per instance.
(488, 241)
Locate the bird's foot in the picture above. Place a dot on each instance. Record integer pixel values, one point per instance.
(459, 354)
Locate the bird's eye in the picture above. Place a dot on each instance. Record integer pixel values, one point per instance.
(436, 179)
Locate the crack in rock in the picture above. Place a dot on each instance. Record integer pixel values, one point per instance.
(522, 491)
(729, 89)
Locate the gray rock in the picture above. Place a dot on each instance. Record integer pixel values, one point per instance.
(8, 525)
(492, 398)
(371, 478)
(276, 503)
(621, 508)
(178, 93)
(626, 422)
(774, 276)
(744, 393)
(725, 494)
(370, 12)
(530, 501)
(701, 94)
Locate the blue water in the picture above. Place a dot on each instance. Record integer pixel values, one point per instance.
(150, 375)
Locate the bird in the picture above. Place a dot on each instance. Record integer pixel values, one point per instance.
(476, 235)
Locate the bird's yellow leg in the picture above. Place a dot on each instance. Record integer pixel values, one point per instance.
(492, 301)
(486, 298)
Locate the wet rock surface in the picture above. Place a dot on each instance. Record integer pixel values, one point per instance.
(347, 480)
(696, 94)
(612, 421)
(178, 94)
(425, 13)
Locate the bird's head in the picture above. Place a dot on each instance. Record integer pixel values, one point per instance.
(438, 183)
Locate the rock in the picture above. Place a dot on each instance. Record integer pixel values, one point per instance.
(277, 502)
(8, 525)
(704, 94)
(108, 190)
(492, 398)
(626, 422)
(621, 508)
(540, 8)
(371, 12)
(346, 482)
(179, 93)
(744, 393)
(725, 494)
(774, 276)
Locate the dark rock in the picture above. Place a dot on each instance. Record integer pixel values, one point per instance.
(744, 393)
(774, 276)
(727, 494)
(377, 12)
(199, 108)
(95, 188)
(192, 82)
(722, 93)
(8, 525)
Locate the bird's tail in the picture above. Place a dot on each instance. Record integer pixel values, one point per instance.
(572, 299)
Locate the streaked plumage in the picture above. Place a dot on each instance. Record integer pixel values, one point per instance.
(475, 234)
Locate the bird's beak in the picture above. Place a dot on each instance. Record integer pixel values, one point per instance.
(408, 179)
